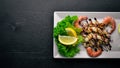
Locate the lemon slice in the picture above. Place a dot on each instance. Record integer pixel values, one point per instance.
(119, 28)
(67, 40)
(71, 32)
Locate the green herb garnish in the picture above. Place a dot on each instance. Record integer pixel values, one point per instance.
(67, 51)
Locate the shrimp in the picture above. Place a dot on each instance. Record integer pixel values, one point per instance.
(93, 53)
(94, 36)
(77, 23)
(109, 20)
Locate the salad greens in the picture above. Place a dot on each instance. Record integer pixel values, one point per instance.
(67, 51)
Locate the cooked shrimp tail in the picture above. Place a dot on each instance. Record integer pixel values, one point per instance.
(94, 53)
(109, 20)
(77, 23)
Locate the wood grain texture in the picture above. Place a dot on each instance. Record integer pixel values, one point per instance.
(26, 32)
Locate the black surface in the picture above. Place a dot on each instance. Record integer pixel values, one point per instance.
(26, 32)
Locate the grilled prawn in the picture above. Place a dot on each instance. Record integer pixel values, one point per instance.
(97, 38)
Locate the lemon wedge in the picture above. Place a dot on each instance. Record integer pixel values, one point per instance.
(71, 32)
(67, 40)
(119, 28)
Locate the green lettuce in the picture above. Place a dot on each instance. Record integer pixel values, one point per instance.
(67, 51)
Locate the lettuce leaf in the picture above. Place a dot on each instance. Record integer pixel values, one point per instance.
(67, 51)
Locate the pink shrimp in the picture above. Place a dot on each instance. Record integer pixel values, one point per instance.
(79, 20)
(109, 20)
(93, 53)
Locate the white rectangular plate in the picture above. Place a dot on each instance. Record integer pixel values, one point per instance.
(114, 53)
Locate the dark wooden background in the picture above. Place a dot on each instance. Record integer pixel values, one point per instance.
(26, 29)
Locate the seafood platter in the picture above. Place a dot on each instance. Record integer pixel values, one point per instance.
(86, 35)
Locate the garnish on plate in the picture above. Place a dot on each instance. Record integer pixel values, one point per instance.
(119, 28)
(65, 29)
